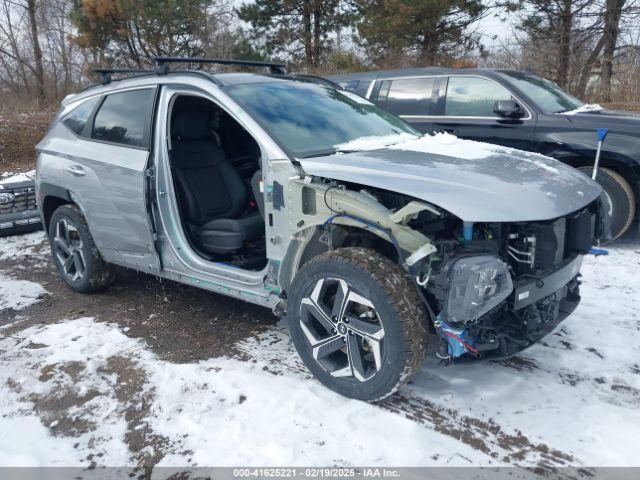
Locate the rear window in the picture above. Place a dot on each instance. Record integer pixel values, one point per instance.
(124, 118)
(410, 96)
(77, 119)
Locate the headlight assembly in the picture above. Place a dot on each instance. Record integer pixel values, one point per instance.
(474, 286)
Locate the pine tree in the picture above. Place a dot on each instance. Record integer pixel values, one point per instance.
(294, 29)
(428, 32)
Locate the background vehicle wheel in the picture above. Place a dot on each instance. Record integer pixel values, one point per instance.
(621, 197)
(75, 254)
(357, 322)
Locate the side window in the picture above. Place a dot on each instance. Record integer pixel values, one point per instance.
(78, 117)
(410, 96)
(473, 97)
(125, 118)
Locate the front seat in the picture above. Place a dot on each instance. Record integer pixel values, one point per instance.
(212, 196)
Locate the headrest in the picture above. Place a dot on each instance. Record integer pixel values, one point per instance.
(190, 124)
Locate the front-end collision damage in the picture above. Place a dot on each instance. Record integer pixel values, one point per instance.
(488, 286)
(323, 205)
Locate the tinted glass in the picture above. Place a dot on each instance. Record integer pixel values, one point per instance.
(77, 118)
(309, 119)
(124, 118)
(351, 85)
(549, 97)
(473, 97)
(410, 96)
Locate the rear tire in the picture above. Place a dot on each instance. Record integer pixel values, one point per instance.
(621, 196)
(74, 252)
(357, 322)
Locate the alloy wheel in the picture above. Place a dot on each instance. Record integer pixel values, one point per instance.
(68, 249)
(343, 330)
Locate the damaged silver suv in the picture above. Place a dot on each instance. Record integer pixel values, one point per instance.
(290, 193)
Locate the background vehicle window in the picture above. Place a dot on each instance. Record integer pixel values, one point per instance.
(77, 118)
(410, 96)
(473, 97)
(351, 85)
(125, 117)
(547, 95)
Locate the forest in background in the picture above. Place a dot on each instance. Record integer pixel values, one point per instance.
(48, 48)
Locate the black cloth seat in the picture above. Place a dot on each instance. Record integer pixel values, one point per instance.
(212, 196)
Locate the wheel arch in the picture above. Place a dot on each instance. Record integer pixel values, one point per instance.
(316, 240)
(52, 197)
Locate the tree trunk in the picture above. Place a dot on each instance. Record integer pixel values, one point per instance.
(610, 35)
(566, 23)
(317, 33)
(37, 53)
(306, 26)
(587, 68)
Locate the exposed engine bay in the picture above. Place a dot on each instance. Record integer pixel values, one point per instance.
(492, 288)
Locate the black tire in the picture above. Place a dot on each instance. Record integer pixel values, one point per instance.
(395, 307)
(95, 273)
(623, 200)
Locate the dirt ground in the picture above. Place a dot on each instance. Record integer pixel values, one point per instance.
(19, 134)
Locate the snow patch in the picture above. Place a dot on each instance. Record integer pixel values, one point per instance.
(373, 142)
(9, 177)
(19, 294)
(586, 108)
(20, 246)
(446, 145)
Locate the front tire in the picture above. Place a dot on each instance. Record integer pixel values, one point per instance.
(357, 322)
(74, 252)
(621, 198)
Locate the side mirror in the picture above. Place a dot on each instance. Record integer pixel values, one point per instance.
(508, 109)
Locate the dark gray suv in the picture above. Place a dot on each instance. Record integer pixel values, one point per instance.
(519, 110)
(288, 193)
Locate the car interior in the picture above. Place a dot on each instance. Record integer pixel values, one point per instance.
(216, 170)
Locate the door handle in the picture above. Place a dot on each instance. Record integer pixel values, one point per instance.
(453, 131)
(76, 170)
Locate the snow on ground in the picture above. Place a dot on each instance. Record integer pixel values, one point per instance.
(18, 294)
(81, 392)
(203, 411)
(20, 246)
(15, 293)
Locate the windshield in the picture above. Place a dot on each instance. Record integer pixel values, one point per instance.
(548, 96)
(312, 119)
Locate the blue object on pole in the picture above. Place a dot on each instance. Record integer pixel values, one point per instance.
(602, 133)
(598, 251)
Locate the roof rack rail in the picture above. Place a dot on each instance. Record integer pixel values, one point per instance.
(162, 63)
(106, 73)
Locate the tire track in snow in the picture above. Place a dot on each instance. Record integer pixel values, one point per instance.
(274, 349)
(486, 436)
